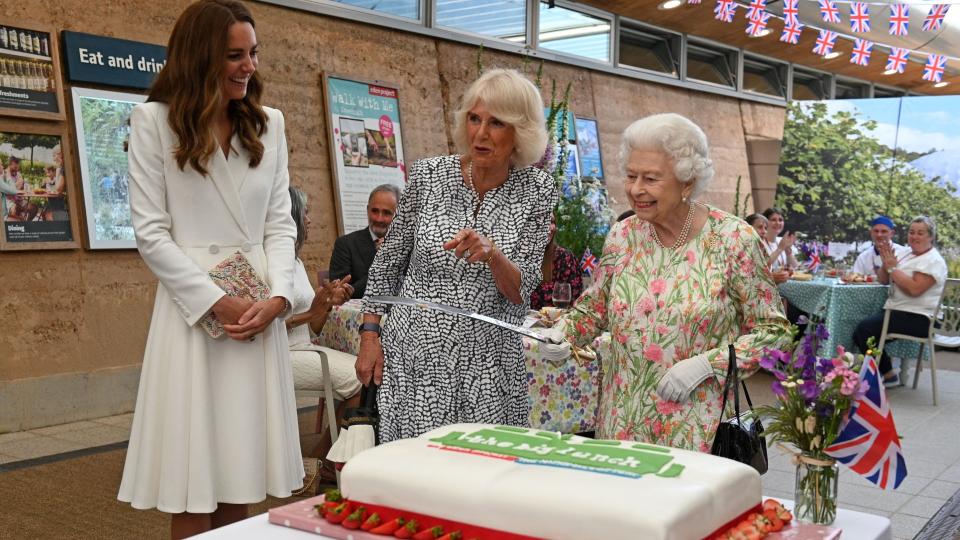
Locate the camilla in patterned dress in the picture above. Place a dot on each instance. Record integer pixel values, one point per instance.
(470, 231)
(676, 284)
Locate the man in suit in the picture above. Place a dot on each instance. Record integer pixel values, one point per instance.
(353, 253)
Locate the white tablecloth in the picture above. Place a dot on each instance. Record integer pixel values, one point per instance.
(855, 525)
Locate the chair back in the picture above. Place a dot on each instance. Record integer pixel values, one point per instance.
(949, 312)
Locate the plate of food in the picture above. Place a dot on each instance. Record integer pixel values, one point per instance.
(856, 278)
(801, 276)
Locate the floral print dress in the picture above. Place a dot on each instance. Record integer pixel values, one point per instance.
(662, 306)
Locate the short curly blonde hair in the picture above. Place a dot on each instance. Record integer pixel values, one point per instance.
(514, 100)
(679, 138)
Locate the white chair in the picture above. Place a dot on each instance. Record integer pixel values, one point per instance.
(948, 315)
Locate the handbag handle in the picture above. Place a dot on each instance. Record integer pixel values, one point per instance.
(732, 379)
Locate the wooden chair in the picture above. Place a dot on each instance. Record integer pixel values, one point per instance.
(947, 315)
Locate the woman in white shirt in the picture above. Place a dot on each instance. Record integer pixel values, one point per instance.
(779, 248)
(916, 279)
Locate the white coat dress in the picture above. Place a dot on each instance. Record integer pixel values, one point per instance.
(215, 420)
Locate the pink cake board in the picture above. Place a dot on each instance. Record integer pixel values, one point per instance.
(302, 515)
(806, 531)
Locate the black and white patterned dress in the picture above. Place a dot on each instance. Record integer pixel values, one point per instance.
(439, 368)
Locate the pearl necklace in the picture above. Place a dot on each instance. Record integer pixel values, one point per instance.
(684, 231)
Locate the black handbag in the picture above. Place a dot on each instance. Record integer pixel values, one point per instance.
(740, 438)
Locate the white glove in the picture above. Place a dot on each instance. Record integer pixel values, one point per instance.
(558, 348)
(683, 378)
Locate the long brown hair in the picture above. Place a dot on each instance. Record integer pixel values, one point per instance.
(190, 83)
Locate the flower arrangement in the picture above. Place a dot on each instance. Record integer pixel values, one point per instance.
(814, 396)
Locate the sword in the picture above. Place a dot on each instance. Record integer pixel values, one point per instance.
(423, 304)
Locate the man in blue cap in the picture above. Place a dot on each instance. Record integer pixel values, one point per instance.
(881, 232)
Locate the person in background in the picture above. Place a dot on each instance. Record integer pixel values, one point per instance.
(676, 285)
(760, 224)
(559, 264)
(470, 232)
(869, 262)
(56, 209)
(353, 253)
(19, 207)
(215, 426)
(625, 215)
(779, 248)
(916, 276)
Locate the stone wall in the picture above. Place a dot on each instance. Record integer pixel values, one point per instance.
(75, 322)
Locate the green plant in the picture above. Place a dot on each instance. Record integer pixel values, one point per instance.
(738, 208)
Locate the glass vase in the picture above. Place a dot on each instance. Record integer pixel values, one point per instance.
(815, 491)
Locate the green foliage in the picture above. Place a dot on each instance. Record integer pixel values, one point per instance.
(953, 268)
(581, 224)
(835, 176)
(740, 209)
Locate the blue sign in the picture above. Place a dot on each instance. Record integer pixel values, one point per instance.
(115, 62)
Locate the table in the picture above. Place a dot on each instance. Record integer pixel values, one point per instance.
(855, 525)
(563, 397)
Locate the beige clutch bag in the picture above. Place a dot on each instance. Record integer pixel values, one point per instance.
(237, 277)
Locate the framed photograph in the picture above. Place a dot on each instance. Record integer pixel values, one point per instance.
(588, 147)
(39, 207)
(102, 123)
(366, 145)
(30, 72)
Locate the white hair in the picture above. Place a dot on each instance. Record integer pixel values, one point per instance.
(514, 100)
(682, 140)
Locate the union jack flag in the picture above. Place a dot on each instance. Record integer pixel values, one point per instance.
(935, 17)
(825, 42)
(791, 33)
(693, 1)
(868, 443)
(859, 17)
(755, 8)
(897, 61)
(726, 13)
(723, 5)
(791, 12)
(814, 263)
(829, 11)
(861, 52)
(756, 25)
(589, 262)
(899, 19)
(936, 64)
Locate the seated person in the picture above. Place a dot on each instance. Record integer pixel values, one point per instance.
(558, 265)
(761, 224)
(18, 207)
(353, 253)
(310, 311)
(881, 232)
(779, 248)
(916, 277)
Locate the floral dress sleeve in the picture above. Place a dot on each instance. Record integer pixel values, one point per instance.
(588, 318)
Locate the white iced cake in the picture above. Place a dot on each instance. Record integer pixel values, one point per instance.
(514, 482)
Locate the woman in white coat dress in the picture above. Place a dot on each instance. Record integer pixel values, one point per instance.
(215, 426)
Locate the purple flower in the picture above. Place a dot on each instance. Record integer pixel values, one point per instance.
(778, 389)
(810, 389)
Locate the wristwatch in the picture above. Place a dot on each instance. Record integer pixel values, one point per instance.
(891, 268)
(370, 327)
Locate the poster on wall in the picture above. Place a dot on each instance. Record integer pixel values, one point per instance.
(38, 206)
(588, 146)
(102, 122)
(29, 73)
(366, 146)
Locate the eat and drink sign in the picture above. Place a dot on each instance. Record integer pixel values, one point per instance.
(111, 61)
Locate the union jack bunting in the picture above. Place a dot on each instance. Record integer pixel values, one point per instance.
(936, 64)
(726, 13)
(791, 33)
(935, 17)
(589, 262)
(825, 42)
(755, 8)
(868, 443)
(859, 17)
(693, 1)
(791, 12)
(899, 19)
(756, 25)
(723, 5)
(861, 52)
(897, 61)
(829, 11)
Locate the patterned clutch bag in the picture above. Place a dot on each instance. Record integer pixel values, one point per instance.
(237, 277)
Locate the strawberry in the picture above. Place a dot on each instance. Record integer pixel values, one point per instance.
(408, 529)
(338, 514)
(371, 522)
(429, 534)
(776, 524)
(455, 535)
(331, 499)
(782, 513)
(389, 527)
(354, 520)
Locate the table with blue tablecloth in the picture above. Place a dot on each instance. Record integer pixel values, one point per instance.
(563, 396)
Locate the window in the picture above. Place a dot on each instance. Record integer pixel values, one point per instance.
(765, 77)
(884, 92)
(808, 85)
(408, 9)
(851, 90)
(712, 65)
(649, 49)
(571, 32)
(504, 19)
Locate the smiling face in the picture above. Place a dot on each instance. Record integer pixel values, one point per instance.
(760, 225)
(492, 141)
(241, 60)
(776, 225)
(654, 191)
(880, 233)
(380, 212)
(919, 237)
